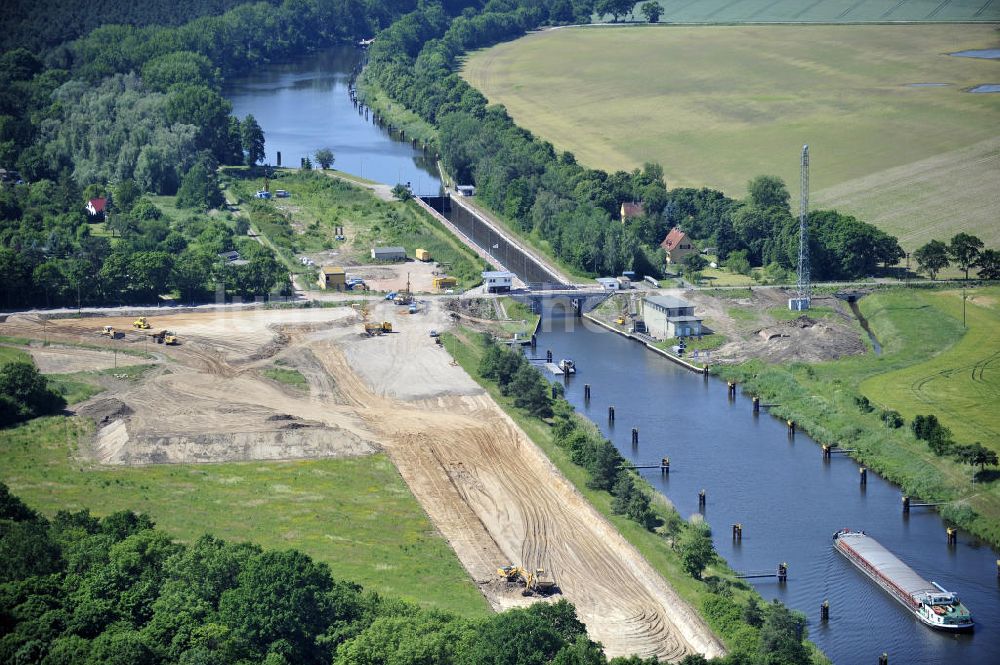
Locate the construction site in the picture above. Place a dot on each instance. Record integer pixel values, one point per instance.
(520, 529)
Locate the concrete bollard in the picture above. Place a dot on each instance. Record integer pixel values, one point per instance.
(791, 427)
(665, 465)
(701, 504)
(586, 391)
(548, 356)
(906, 505)
(826, 452)
(952, 534)
(611, 414)
(782, 572)
(737, 531)
(863, 473)
(756, 405)
(635, 436)
(824, 611)
(883, 659)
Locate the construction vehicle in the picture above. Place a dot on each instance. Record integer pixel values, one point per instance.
(109, 331)
(404, 297)
(164, 337)
(141, 323)
(376, 328)
(534, 582)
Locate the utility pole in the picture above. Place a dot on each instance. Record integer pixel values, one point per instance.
(963, 306)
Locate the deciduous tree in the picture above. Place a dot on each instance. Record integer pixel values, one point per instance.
(652, 10)
(964, 251)
(989, 264)
(932, 258)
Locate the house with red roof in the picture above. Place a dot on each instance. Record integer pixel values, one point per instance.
(95, 207)
(630, 210)
(677, 245)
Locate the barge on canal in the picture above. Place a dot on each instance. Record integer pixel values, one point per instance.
(928, 601)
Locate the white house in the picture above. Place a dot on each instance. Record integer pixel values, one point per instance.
(498, 281)
(667, 316)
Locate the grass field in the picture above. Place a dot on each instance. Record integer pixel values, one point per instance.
(727, 103)
(960, 385)
(827, 11)
(355, 514)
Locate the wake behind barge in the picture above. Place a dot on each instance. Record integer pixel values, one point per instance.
(928, 601)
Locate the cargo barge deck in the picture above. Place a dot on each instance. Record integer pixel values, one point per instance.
(928, 601)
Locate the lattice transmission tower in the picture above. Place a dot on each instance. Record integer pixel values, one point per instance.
(804, 285)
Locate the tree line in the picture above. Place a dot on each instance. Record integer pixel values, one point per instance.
(965, 251)
(573, 210)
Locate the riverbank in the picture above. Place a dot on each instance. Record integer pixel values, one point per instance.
(924, 370)
(721, 598)
(398, 116)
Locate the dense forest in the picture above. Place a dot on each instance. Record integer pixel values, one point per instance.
(78, 589)
(127, 111)
(572, 209)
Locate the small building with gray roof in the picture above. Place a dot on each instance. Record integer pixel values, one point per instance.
(667, 316)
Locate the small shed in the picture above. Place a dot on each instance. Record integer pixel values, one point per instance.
(331, 278)
(465, 190)
(498, 281)
(444, 282)
(388, 254)
(609, 283)
(230, 256)
(422, 255)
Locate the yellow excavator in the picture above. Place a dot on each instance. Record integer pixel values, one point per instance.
(141, 323)
(534, 582)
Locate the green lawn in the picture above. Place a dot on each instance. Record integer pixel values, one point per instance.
(729, 103)
(9, 354)
(355, 514)
(960, 384)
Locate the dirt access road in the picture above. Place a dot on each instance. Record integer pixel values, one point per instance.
(490, 491)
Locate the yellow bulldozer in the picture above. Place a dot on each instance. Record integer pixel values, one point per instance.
(141, 323)
(109, 331)
(535, 583)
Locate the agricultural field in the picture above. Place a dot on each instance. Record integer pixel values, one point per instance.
(828, 11)
(728, 103)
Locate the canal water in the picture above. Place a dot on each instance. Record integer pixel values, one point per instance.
(304, 105)
(788, 499)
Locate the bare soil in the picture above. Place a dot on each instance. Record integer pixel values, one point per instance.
(490, 491)
(758, 334)
(67, 359)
